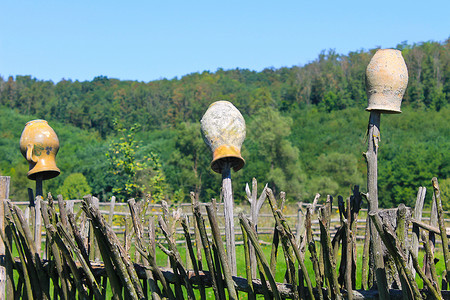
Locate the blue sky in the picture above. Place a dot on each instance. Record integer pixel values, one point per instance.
(149, 40)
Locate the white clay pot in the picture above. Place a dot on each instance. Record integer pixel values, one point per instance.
(223, 129)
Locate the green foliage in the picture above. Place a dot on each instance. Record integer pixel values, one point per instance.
(336, 173)
(323, 185)
(445, 192)
(189, 162)
(305, 129)
(75, 186)
(332, 82)
(330, 146)
(273, 157)
(19, 181)
(134, 176)
(409, 155)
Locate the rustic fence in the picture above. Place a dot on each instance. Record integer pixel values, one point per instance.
(119, 212)
(84, 254)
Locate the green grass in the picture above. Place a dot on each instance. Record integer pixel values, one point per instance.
(281, 265)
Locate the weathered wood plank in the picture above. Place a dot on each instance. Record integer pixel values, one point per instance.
(229, 219)
(6, 275)
(417, 216)
(372, 196)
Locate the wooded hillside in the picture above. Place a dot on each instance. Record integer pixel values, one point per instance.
(305, 129)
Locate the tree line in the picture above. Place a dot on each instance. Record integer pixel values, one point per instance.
(305, 128)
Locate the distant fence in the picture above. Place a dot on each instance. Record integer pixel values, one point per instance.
(110, 211)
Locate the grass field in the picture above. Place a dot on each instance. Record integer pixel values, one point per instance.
(281, 265)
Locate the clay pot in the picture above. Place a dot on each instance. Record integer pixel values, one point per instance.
(39, 144)
(386, 81)
(223, 129)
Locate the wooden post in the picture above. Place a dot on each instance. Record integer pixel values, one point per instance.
(69, 206)
(428, 260)
(94, 250)
(300, 226)
(229, 219)
(38, 224)
(210, 209)
(349, 248)
(255, 207)
(39, 180)
(206, 247)
(442, 228)
(415, 230)
(6, 283)
(111, 210)
(395, 249)
(372, 191)
(35, 211)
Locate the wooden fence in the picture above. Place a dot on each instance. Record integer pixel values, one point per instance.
(118, 211)
(86, 249)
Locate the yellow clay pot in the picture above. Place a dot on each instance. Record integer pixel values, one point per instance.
(39, 144)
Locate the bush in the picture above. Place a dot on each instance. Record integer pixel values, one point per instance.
(75, 186)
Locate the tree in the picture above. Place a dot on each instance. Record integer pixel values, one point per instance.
(189, 162)
(444, 185)
(339, 171)
(273, 158)
(134, 176)
(75, 186)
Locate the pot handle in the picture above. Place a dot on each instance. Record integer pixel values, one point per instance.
(30, 156)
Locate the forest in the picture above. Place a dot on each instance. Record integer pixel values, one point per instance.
(306, 129)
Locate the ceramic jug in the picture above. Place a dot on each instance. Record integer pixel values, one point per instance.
(386, 81)
(223, 129)
(39, 144)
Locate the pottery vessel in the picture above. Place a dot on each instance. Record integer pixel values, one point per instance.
(223, 129)
(39, 144)
(386, 81)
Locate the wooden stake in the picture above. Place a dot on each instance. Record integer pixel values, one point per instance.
(139, 234)
(38, 224)
(6, 273)
(176, 258)
(210, 209)
(313, 252)
(251, 294)
(60, 274)
(284, 230)
(206, 247)
(39, 186)
(229, 219)
(198, 246)
(372, 191)
(260, 255)
(415, 230)
(111, 211)
(255, 206)
(36, 209)
(430, 261)
(349, 252)
(440, 211)
(396, 250)
(432, 238)
(328, 257)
